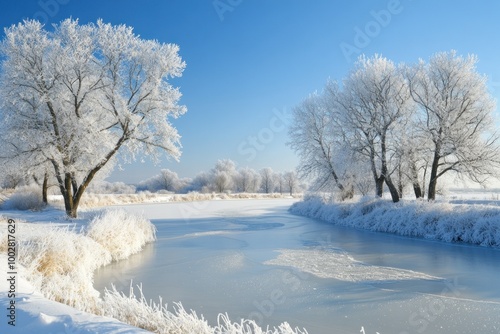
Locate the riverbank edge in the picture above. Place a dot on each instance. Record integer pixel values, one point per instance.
(475, 224)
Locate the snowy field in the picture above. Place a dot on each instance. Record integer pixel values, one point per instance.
(255, 260)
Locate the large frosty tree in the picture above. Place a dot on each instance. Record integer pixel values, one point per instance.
(455, 118)
(316, 136)
(75, 96)
(376, 101)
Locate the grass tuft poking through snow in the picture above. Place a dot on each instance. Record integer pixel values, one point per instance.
(121, 233)
(155, 317)
(474, 224)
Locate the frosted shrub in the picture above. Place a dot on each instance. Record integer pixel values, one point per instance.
(90, 200)
(101, 200)
(25, 198)
(121, 233)
(104, 187)
(155, 317)
(60, 263)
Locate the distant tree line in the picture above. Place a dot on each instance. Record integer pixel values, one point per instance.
(385, 126)
(224, 177)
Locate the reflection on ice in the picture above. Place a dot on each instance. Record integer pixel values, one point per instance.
(340, 265)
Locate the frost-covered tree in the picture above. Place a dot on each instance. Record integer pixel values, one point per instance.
(456, 117)
(201, 182)
(279, 182)
(169, 180)
(316, 136)
(411, 163)
(247, 180)
(267, 180)
(165, 180)
(375, 98)
(223, 175)
(291, 181)
(17, 162)
(80, 94)
(11, 180)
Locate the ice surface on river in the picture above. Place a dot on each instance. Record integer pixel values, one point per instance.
(340, 265)
(255, 260)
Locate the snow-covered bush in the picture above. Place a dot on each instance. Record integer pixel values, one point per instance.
(167, 180)
(121, 233)
(60, 263)
(24, 198)
(475, 224)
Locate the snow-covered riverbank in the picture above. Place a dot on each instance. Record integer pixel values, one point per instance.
(458, 220)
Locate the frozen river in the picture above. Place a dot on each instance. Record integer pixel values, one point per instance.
(253, 259)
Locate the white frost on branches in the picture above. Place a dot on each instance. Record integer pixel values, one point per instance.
(399, 123)
(72, 98)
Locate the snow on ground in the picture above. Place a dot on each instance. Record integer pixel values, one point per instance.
(56, 262)
(468, 220)
(37, 314)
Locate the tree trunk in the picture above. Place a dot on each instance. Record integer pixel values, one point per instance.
(347, 193)
(72, 199)
(72, 211)
(431, 195)
(379, 186)
(414, 180)
(400, 188)
(392, 189)
(433, 180)
(45, 186)
(68, 196)
(417, 190)
(424, 177)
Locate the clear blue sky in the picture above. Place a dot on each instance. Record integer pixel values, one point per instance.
(250, 61)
